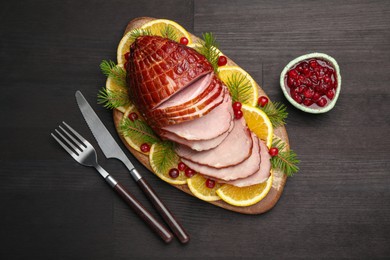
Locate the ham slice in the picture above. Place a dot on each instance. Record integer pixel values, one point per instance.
(261, 175)
(242, 170)
(199, 129)
(236, 147)
(200, 145)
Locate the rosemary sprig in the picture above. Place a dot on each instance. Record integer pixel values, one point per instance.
(134, 34)
(138, 130)
(165, 157)
(113, 99)
(276, 113)
(208, 47)
(239, 87)
(116, 73)
(285, 160)
(168, 32)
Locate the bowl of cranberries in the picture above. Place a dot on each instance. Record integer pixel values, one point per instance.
(312, 82)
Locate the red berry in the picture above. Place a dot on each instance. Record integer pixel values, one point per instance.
(313, 64)
(238, 114)
(330, 94)
(308, 92)
(273, 151)
(210, 183)
(321, 102)
(145, 147)
(297, 97)
(133, 116)
(184, 40)
(262, 101)
(237, 106)
(174, 173)
(222, 60)
(308, 102)
(316, 97)
(189, 172)
(293, 74)
(181, 166)
(127, 55)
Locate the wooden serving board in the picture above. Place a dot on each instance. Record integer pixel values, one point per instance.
(279, 178)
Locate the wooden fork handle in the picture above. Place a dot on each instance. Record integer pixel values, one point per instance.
(164, 211)
(143, 213)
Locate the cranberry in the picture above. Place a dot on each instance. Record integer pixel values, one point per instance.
(210, 183)
(313, 63)
(237, 106)
(222, 60)
(300, 89)
(262, 101)
(330, 94)
(308, 102)
(316, 97)
(290, 82)
(321, 102)
(189, 172)
(238, 114)
(174, 173)
(306, 71)
(293, 74)
(184, 40)
(297, 97)
(145, 147)
(181, 166)
(308, 92)
(127, 55)
(273, 151)
(133, 116)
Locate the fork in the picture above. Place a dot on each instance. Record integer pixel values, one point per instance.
(84, 153)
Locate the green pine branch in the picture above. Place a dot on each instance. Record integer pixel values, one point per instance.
(113, 99)
(286, 160)
(134, 34)
(276, 113)
(239, 87)
(116, 73)
(169, 32)
(165, 157)
(209, 48)
(138, 130)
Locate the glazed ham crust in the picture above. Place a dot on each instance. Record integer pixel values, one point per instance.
(159, 67)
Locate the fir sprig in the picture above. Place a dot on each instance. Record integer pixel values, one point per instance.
(113, 99)
(138, 130)
(116, 73)
(134, 34)
(285, 160)
(239, 87)
(169, 32)
(165, 157)
(208, 47)
(276, 113)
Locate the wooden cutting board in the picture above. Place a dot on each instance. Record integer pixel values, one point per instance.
(279, 178)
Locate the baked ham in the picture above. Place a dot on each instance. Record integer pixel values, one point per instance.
(177, 92)
(242, 170)
(223, 155)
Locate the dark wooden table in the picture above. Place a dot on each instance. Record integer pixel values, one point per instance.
(337, 206)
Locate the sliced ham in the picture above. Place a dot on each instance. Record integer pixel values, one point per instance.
(219, 118)
(200, 145)
(236, 147)
(261, 175)
(242, 170)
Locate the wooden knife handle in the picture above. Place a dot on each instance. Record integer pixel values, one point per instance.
(143, 213)
(164, 212)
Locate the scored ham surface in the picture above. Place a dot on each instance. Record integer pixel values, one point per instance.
(159, 67)
(261, 175)
(223, 155)
(199, 129)
(242, 170)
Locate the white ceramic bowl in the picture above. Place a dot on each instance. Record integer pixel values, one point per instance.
(314, 110)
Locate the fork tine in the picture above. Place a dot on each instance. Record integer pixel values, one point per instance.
(72, 153)
(68, 142)
(81, 146)
(76, 134)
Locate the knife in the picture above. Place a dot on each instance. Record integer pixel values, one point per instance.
(112, 150)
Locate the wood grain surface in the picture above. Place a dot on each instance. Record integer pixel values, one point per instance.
(279, 179)
(336, 206)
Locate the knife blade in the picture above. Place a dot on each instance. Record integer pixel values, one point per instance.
(111, 149)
